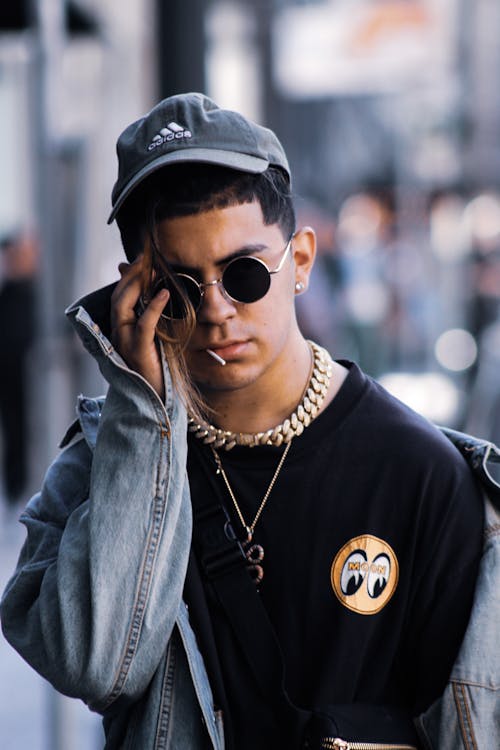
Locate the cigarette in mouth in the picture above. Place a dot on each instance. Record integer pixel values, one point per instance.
(216, 357)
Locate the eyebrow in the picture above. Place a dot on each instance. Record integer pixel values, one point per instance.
(252, 249)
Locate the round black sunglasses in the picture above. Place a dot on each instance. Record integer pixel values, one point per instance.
(244, 279)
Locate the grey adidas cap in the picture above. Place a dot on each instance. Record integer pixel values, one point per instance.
(191, 128)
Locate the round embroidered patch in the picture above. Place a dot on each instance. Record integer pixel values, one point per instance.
(365, 574)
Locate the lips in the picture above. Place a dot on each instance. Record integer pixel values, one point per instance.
(228, 349)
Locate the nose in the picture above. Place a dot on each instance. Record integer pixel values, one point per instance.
(216, 307)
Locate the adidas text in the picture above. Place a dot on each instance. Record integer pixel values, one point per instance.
(172, 132)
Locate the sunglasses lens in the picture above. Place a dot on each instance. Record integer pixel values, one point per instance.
(246, 279)
(191, 290)
(176, 305)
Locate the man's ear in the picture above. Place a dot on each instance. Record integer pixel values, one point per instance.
(304, 252)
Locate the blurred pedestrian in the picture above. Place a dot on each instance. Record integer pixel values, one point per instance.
(17, 326)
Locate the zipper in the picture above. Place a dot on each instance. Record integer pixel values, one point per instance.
(335, 743)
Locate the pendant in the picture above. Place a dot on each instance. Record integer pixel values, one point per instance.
(254, 554)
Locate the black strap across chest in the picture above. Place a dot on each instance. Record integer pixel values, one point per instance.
(223, 562)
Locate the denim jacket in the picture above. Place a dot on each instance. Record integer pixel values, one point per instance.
(95, 604)
(467, 715)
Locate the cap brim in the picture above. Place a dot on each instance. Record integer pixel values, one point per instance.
(233, 159)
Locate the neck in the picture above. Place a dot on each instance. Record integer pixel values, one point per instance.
(261, 405)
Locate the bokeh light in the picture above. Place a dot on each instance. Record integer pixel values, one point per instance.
(433, 395)
(456, 350)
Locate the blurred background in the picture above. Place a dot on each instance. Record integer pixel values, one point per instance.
(390, 113)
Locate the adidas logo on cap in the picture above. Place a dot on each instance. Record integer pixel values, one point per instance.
(173, 131)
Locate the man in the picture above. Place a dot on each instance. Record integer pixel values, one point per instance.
(358, 525)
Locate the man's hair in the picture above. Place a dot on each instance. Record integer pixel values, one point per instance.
(188, 189)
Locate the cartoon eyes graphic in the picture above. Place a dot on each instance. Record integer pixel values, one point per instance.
(357, 568)
(354, 572)
(364, 574)
(378, 575)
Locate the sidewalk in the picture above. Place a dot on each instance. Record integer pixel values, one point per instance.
(26, 700)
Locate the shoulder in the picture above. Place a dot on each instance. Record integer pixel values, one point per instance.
(390, 440)
(65, 486)
(426, 472)
(87, 422)
(402, 430)
(67, 479)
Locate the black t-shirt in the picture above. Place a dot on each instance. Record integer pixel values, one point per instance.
(372, 538)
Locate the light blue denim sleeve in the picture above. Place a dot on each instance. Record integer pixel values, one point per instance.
(97, 589)
(468, 713)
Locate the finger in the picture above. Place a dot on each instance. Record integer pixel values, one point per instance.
(143, 335)
(152, 313)
(124, 267)
(127, 291)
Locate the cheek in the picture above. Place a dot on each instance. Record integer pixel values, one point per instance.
(261, 316)
(278, 308)
(280, 299)
(272, 322)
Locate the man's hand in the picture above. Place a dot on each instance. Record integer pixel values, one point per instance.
(134, 337)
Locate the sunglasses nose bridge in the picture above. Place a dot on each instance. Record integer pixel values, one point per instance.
(219, 285)
(204, 284)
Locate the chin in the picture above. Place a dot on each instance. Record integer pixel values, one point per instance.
(230, 377)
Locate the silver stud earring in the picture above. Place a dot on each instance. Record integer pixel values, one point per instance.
(299, 286)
